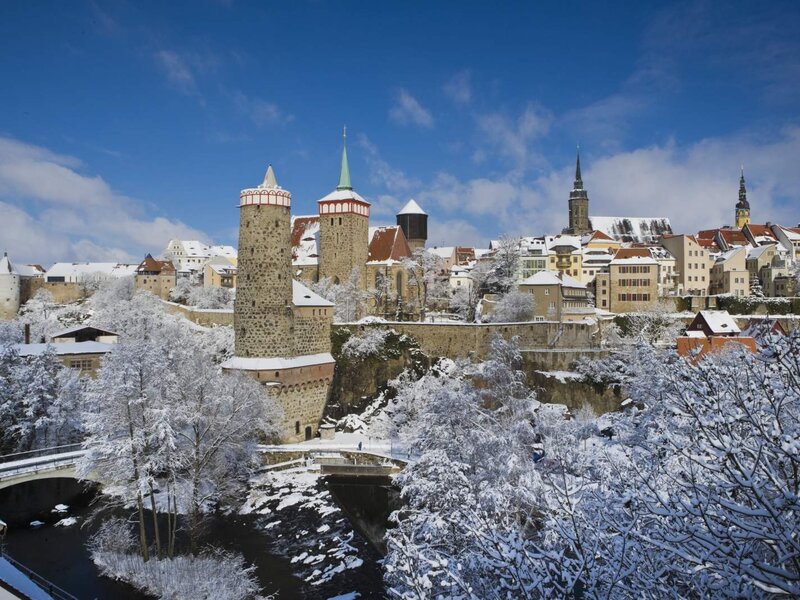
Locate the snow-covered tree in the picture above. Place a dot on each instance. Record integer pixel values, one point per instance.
(348, 296)
(513, 307)
(506, 262)
(425, 279)
(693, 495)
(180, 293)
(756, 291)
(209, 297)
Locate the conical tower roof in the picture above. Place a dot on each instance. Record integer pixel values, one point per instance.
(270, 182)
(412, 208)
(344, 174)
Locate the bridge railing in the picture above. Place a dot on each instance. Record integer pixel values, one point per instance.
(48, 586)
(39, 452)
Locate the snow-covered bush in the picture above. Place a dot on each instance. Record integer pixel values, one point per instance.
(370, 343)
(218, 575)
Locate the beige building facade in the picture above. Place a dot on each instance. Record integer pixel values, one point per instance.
(729, 274)
(631, 285)
(692, 264)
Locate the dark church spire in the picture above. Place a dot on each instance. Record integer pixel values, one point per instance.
(578, 185)
(743, 203)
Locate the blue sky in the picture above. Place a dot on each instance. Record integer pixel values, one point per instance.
(123, 124)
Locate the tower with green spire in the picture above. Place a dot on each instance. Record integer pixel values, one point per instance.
(343, 228)
(742, 206)
(578, 203)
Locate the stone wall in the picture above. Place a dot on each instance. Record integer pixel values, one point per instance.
(574, 393)
(302, 407)
(312, 330)
(472, 339)
(64, 293)
(202, 316)
(344, 243)
(9, 295)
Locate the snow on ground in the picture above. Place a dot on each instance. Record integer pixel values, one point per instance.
(60, 508)
(305, 523)
(562, 376)
(68, 522)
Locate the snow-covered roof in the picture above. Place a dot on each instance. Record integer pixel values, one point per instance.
(226, 251)
(222, 269)
(695, 334)
(30, 270)
(754, 253)
(74, 269)
(6, 267)
(194, 248)
(305, 240)
(481, 252)
(563, 240)
(412, 208)
(77, 328)
(343, 195)
(443, 251)
(302, 296)
(719, 321)
(65, 348)
(552, 278)
(241, 363)
(725, 256)
(387, 245)
(632, 229)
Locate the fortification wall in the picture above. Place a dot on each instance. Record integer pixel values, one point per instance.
(473, 339)
(312, 330)
(201, 316)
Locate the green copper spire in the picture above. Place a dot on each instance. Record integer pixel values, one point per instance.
(344, 176)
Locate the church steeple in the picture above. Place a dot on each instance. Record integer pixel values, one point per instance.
(344, 175)
(578, 203)
(578, 185)
(742, 206)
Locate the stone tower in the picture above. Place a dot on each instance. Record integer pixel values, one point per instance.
(262, 319)
(742, 206)
(282, 328)
(414, 223)
(578, 204)
(343, 228)
(9, 289)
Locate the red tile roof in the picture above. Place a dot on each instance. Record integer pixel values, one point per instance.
(632, 253)
(388, 243)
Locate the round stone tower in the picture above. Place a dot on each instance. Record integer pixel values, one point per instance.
(414, 223)
(262, 319)
(343, 229)
(9, 289)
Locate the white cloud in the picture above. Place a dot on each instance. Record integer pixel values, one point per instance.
(455, 232)
(177, 70)
(53, 212)
(513, 137)
(381, 172)
(259, 111)
(459, 87)
(407, 110)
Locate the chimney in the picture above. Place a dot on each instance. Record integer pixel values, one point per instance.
(27, 333)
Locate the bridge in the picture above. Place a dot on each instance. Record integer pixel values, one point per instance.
(378, 458)
(46, 463)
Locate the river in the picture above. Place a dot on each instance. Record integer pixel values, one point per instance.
(303, 543)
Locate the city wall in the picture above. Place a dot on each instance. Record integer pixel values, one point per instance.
(202, 316)
(472, 340)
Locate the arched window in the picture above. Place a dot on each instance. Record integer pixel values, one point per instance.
(398, 284)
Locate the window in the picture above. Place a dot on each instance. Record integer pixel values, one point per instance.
(340, 220)
(297, 427)
(546, 291)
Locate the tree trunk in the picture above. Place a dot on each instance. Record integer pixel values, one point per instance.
(142, 532)
(156, 533)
